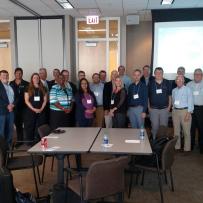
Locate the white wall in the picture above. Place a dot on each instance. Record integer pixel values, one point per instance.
(40, 43)
(139, 45)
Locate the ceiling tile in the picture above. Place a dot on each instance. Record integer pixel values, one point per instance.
(83, 3)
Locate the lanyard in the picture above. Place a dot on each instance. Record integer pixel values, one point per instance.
(138, 88)
(160, 84)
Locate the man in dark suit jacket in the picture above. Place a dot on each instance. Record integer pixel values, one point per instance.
(6, 107)
(180, 71)
(107, 93)
(146, 77)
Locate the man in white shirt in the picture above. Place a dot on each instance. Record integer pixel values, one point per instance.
(43, 78)
(196, 87)
(182, 108)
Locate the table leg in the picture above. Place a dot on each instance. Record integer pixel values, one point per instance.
(60, 172)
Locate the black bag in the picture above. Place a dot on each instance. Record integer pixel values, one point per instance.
(6, 186)
(24, 197)
(157, 147)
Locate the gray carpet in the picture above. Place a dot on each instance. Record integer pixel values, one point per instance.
(187, 171)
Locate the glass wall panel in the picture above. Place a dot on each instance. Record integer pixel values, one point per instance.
(113, 29)
(91, 31)
(113, 55)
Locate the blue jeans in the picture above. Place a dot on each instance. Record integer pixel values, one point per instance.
(135, 116)
(6, 126)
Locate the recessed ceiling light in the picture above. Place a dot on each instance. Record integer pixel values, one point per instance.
(65, 4)
(167, 2)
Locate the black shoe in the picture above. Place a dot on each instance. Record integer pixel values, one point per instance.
(18, 144)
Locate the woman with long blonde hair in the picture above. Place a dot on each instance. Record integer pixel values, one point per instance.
(118, 104)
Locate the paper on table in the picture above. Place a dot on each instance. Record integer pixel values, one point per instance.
(53, 137)
(132, 141)
(107, 145)
(51, 149)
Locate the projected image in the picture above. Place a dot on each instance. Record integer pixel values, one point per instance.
(178, 44)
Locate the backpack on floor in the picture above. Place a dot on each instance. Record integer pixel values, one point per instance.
(7, 192)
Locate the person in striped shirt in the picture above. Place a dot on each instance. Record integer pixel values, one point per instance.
(61, 103)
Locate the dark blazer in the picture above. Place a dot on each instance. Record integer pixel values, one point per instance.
(74, 88)
(151, 78)
(107, 95)
(4, 102)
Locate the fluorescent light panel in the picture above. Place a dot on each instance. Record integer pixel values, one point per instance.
(167, 2)
(65, 4)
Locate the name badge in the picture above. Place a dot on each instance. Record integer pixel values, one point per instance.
(89, 101)
(96, 94)
(69, 98)
(159, 91)
(36, 98)
(135, 96)
(196, 93)
(177, 102)
(112, 102)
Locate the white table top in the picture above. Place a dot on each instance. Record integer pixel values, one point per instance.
(123, 140)
(74, 140)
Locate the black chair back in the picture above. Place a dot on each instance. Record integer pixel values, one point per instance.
(168, 154)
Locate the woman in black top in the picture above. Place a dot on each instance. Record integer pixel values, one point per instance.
(118, 104)
(35, 100)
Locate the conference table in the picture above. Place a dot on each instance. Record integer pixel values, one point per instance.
(72, 141)
(83, 140)
(122, 141)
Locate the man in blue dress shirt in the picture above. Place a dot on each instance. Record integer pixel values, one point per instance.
(6, 107)
(183, 106)
(137, 101)
(125, 78)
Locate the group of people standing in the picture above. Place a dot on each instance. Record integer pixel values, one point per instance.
(118, 103)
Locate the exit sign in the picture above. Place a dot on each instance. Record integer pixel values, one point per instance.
(92, 19)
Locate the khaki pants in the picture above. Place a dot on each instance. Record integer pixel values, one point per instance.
(99, 120)
(178, 121)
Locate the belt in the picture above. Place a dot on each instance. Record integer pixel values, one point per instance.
(181, 108)
(135, 106)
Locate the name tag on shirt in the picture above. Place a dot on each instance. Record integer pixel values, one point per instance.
(36, 98)
(112, 102)
(177, 102)
(196, 93)
(89, 101)
(96, 94)
(159, 91)
(135, 96)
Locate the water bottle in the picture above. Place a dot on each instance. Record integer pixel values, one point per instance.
(142, 133)
(105, 139)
